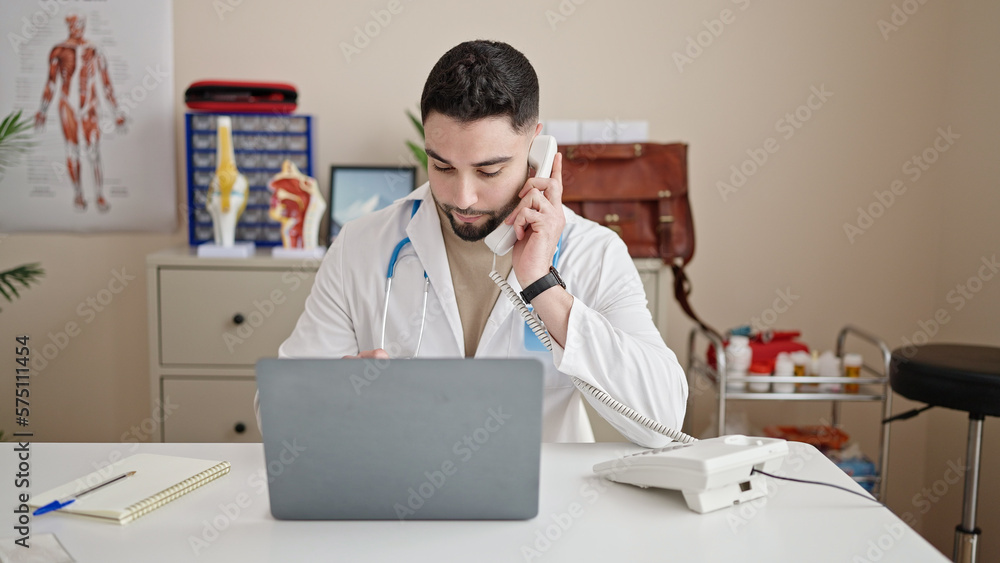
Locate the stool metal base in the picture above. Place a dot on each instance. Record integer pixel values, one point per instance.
(966, 533)
(966, 544)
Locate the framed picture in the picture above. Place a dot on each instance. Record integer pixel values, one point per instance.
(358, 190)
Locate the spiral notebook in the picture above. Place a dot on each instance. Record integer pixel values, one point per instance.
(158, 480)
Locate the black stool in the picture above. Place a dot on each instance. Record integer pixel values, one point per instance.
(961, 377)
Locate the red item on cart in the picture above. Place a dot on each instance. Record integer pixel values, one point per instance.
(765, 347)
(823, 437)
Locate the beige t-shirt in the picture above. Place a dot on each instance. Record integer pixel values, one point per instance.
(475, 292)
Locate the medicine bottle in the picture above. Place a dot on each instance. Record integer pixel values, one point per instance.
(802, 361)
(829, 366)
(738, 355)
(852, 368)
(783, 367)
(758, 372)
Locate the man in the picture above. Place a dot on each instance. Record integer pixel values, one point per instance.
(480, 114)
(77, 63)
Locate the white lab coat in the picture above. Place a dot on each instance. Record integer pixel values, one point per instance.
(612, 342)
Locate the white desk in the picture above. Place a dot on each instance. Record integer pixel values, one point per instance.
(581, 518)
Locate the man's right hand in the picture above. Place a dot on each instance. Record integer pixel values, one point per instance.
(377, 354)
(40, 121)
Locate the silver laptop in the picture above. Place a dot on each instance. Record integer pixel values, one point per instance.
(419, 439)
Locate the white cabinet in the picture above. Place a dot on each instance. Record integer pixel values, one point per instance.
(210, 320)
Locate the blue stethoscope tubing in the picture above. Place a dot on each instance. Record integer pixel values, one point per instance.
(391, 272)
(388, 287)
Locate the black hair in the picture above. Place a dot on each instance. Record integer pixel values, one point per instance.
(481, 79)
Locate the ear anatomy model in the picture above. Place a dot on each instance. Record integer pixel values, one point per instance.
(297, 204)
(227, 194)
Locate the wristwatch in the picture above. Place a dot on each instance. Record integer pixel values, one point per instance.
(550, 279)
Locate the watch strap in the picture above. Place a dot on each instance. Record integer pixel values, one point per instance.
(547, 281)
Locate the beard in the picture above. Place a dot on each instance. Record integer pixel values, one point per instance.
(473, 233)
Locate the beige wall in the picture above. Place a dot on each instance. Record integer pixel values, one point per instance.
(781, 232)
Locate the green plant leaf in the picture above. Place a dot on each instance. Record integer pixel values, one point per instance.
(418, 153)
(15, 138)
(416, 123)
(24, 275)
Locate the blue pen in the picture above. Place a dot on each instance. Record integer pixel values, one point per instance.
(66, 501)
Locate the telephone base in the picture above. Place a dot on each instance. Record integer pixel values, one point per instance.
(712, 473)
(737, 493)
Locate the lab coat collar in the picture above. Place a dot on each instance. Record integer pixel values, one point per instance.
(424, 230)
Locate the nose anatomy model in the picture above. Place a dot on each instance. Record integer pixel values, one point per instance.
(227, 194)
(297, 204)
(77, 64)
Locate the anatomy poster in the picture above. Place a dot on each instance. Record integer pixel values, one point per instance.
(95, 80)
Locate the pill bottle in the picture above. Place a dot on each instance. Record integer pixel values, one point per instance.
(738, 356)
(738, 353)
(783, 367)
(760, 375)
(813, 371)
(852, 369)
(829, 366)
(801, 363)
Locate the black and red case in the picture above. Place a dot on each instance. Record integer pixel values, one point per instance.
(241, 97)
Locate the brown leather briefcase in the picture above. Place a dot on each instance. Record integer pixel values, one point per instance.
(640, 191)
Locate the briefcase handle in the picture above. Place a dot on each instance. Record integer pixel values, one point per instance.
(613, 151)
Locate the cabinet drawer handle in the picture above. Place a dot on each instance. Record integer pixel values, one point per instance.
(240, 428)
(238, 318)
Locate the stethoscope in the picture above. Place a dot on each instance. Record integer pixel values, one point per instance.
(427, 283)
(388, 287)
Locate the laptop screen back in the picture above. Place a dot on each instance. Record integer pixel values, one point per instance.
(412, 439)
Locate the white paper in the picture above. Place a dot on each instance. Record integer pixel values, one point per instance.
(131, 45)
(42, 548)
(566, 132)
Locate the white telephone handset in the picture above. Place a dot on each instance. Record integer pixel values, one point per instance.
(541, 154)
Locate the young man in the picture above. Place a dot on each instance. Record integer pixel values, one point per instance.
(480, 113)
